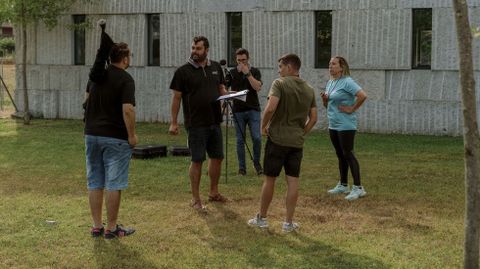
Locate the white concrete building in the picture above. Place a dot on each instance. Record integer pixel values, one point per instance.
(402, 52)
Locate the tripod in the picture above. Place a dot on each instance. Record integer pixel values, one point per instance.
(227, 106)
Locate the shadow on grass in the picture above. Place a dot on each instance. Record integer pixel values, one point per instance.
(115, 254)
(274, 249)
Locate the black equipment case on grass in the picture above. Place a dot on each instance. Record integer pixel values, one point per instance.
(179, 151)
(149, 151)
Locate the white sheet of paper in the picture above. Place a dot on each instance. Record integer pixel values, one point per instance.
(241, 95)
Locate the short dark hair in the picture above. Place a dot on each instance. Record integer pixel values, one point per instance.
(118, 52)
(242, 51)
(201, 38)
(291, 59)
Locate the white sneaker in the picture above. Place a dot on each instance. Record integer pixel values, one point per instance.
(357, 192)
(258, 221)
(339, 189)
(290, 227)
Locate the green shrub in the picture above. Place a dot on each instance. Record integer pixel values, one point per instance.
(7, 44)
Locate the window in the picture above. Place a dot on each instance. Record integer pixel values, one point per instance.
(79, 40)
(7, 31)
(422, 38)
(234, 36)
(323, 38)
(153, 39)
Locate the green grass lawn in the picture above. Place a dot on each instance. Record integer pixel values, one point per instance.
(412, 216)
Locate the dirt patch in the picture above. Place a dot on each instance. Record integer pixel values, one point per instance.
(7, 112)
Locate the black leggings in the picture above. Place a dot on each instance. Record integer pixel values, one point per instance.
(343, 143)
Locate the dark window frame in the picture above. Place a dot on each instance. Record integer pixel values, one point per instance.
(417, 29)
(231, 47)
(79, 40)
(322, 59)
(151, 47)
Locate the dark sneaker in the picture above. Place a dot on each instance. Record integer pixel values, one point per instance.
(259, 169)
(119, 231)
(97, 232)
(242, 172)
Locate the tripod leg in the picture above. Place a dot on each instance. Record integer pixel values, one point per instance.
(241, 131)
(9, 95)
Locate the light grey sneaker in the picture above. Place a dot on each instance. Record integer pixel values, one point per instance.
(357, 192)
(258, 221)
(339, 189)
(290, 227)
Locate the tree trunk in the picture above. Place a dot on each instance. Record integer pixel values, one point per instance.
(471, 136)
(26, 109)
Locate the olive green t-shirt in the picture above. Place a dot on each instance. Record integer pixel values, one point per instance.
(296, 99)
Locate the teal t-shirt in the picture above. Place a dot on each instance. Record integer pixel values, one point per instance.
(341, 91)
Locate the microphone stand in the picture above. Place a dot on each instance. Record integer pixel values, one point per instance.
(227, 106)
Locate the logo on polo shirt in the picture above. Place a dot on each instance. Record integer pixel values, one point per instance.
(214, 72)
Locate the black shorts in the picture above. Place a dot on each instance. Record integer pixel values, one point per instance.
(277, 156)
(205, 139)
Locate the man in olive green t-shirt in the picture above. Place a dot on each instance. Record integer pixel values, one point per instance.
(291, 112)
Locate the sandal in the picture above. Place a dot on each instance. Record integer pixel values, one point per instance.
(217, 198)
(197, 205)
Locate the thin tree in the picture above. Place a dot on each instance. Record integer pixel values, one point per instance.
(23, 13)
(471, 136)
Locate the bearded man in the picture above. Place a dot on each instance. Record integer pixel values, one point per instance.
(197, 85)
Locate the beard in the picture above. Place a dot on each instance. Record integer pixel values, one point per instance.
(198, 57)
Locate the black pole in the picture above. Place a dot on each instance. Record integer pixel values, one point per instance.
(225, 112)
(226, 150)
(9, 95)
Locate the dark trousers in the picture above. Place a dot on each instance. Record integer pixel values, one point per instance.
(343, 143)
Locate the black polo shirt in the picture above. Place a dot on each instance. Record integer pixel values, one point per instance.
(104, 106)
(200, 89)
(239, 82)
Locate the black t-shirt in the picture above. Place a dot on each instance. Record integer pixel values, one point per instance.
(103, 112)
(239, 82)
(200, 90)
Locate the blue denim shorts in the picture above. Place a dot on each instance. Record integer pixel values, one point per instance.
(205, 139)
(107, 161)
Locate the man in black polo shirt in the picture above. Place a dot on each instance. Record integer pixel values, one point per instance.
(198, 84)
(109, 138)
(247, 77)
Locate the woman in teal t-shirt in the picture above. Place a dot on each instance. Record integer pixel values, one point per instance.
(343, 96)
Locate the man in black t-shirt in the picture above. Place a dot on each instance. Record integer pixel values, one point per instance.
(197, 85)
(109, 138)
(246, 77)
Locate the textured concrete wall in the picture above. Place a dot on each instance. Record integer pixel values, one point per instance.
(268, 35)
(374, 39)
(179, 6)
(374, 35)
(444, 51)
